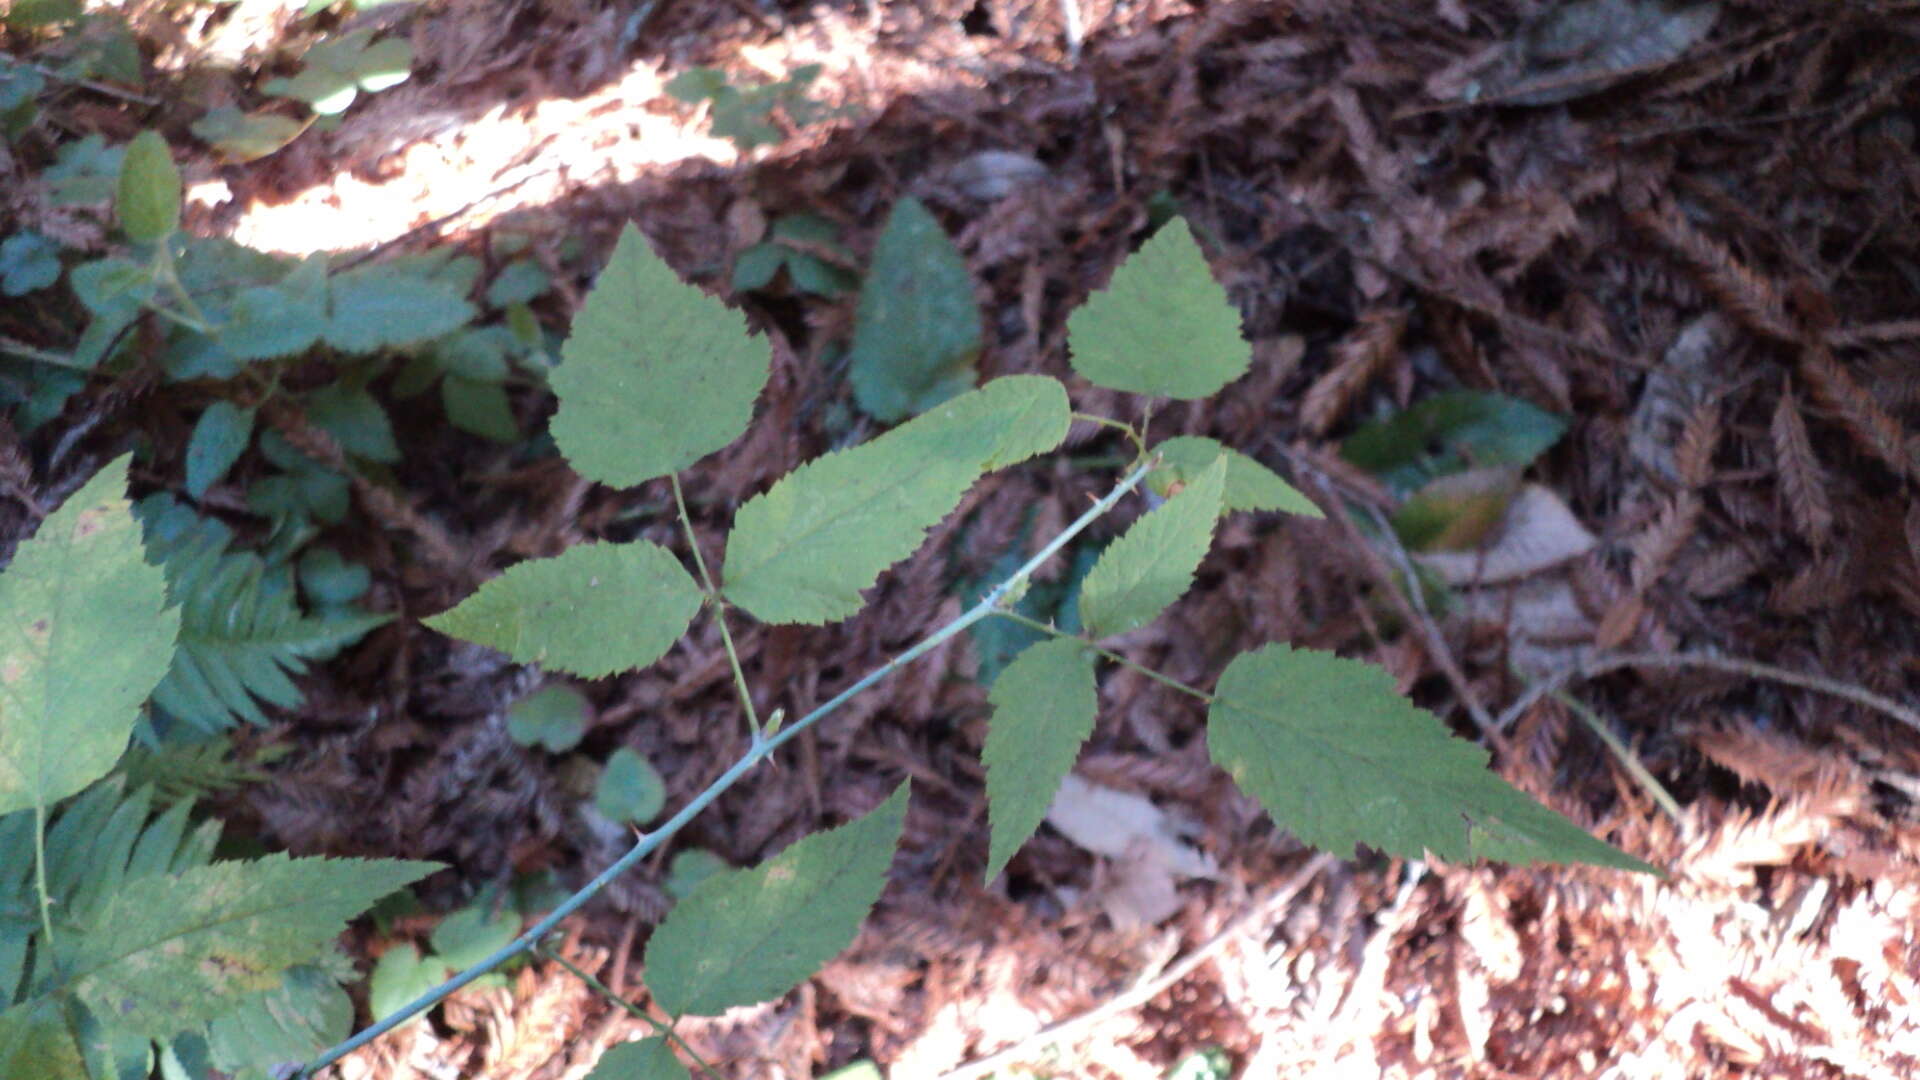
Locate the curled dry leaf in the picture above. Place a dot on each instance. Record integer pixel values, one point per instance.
(1537, 533)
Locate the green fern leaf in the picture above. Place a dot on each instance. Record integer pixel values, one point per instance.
(174, 952)
(1337, 756)
(656, 374)
(301, 1017)
(1162, 326)
(747, 936)
(563, 612)
(1250, 485)
(85, 634)
(1145, 571)
(1043, 709)
(242, 633)
(803, 551)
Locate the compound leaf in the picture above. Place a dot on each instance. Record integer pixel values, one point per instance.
(148, 202)
(85, 633)
(1043, 709)
(592, 610)
(802, 551)
(1337, 756)
(645, 1059)
(655, 375)
(1162, 325)
(219, 437)
(1250, 485)
(917, 331)
(1145, 571)
(173, 952)
(746, 936)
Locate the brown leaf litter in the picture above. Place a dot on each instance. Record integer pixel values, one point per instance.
(1689, 228)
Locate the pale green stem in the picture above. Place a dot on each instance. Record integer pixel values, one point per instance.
(40, 878)
(40, 356)
(636, 1011)
(719, 610)
(1626, 757)
(1123, 428)
(1156, 676)
(758, 752)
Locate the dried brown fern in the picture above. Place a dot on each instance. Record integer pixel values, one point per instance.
(1800, 475)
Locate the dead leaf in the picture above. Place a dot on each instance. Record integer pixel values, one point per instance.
(1582, 48)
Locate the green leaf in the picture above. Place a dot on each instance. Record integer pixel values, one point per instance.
(592, 610)
(219, 437)
(1250, 485)
(269, 321)
(1142, 573)
(171, 954)
(917, 332)
(382, 306)
(554, 716)
(756, 266)
(479, 407)
(148, 202)
(630, 788)
(1043, 709)
(1449, 432)
(645, 1059)
(337, 69)
(747, 936)
(400, 976)
(35, 1042)
(656, 374)
(689, 868)
(241, 136)
(802, 551)
(33, 14)
(241, 633)
(1162, 326)
(1335, 755)
(356, 420)
(331, 581)
(294, 1021)
(28, 261)
(85, 633)
(474, 933)
(518, 282)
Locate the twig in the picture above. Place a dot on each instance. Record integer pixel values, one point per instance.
(760, 751)
(1600, 665)
(1147, 988)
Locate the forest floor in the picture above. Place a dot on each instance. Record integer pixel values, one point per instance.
(1693, 232)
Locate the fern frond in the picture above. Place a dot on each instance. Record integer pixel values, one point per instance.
(191, 770)
(243, 635)
(102, 839)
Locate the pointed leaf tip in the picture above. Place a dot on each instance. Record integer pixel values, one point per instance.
(1152, 566)
(1163, 325)
(1043, 710)
(747, 936)
(655, 375)
(1335, 754)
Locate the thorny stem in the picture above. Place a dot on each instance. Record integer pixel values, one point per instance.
(756, 753)
(607, 992)
(719, 610)
(1159, 677)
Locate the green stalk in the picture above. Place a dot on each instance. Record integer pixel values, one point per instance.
(719, 610)
(1159, 677)
(758, 752)
(636, 1011)
(40, 875)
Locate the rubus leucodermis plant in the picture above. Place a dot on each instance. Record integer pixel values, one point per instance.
(657, 375)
